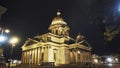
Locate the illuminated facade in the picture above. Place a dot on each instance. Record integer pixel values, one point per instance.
(56, 47)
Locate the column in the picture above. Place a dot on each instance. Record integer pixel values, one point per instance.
(67, 52)
(73, 56)
(45, 55)
(76, 55)
(27, 56)
(35, 55)
(23, 56)
(42, 54)
(38, 55)
(58, 55)
(81, 57)
(32, 56)
(87, 57)
(84, 56)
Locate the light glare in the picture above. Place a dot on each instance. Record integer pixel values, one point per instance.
(7, 31)
(109, 64)
(119, 8)
(96, 60)
(109, 60)
(13, 40)
(2, 38)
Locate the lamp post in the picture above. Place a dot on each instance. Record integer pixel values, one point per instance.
(13, 41)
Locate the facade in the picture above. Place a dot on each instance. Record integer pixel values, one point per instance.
(56, 47)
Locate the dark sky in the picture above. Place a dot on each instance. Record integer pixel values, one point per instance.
(28, 18)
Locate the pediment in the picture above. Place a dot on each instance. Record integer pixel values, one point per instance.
(29, 42)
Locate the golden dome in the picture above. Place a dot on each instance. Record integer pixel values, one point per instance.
(58, 19)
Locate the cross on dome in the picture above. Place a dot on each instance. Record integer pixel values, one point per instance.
(58, 13)
(58, 19)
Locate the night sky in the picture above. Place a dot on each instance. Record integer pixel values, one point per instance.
(28, 18)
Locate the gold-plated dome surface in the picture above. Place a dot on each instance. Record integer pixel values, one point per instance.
(58, 19)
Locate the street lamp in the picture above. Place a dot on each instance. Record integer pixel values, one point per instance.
(13, 41)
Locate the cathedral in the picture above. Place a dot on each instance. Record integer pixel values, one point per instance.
(56, 47)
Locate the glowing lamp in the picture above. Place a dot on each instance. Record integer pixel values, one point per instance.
(95, 60)
(7, 31)
(109, 60)
(13, 41)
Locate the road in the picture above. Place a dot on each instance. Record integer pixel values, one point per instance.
(73, 66)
